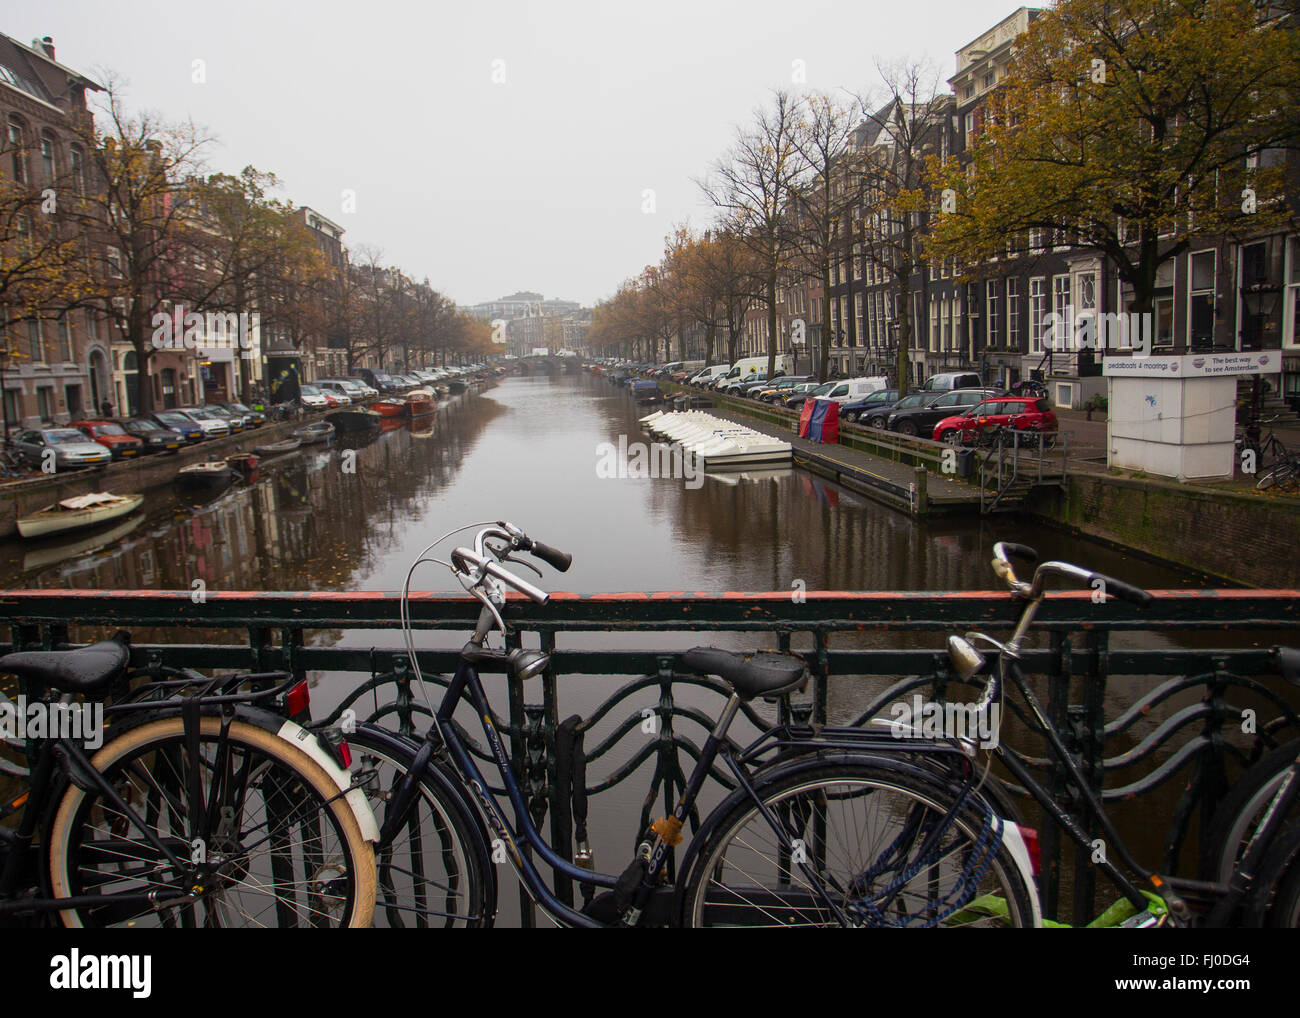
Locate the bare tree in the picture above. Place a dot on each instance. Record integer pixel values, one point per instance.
(751, 186)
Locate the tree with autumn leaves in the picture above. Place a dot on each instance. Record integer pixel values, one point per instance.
(1129, 128)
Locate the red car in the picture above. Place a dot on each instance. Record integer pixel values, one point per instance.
(1024, 413)
(112, 437)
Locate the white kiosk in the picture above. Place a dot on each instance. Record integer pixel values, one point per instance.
(1176, 416)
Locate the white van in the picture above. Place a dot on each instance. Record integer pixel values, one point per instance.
(852, 389)
(710, 374)
(747, 366)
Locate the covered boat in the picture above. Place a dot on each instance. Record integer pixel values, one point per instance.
(355, 419)
(75, 513)
(420, 402)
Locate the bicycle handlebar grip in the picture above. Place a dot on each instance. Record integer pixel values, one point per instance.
(552, 556)
(1124, 591)
(1020, 551)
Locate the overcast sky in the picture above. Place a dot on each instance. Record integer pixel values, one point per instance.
(486, 188)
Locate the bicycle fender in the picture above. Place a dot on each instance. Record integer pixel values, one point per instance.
(1015, 844)
(307, 741)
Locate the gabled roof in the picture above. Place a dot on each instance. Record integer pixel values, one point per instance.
(35, 74)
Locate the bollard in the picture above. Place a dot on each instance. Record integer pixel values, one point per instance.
(922, 504)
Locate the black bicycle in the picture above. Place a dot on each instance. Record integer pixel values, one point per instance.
(825, 827)
(203, 806)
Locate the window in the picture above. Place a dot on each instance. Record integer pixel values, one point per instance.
(78, 170)
(114, 263)
(945, 322)
(1063, 338)
(992, 336)
(934, 322)
(12, 414)
(45, 403)
(1200, 293)
(36, 339)
(48, 166)
(1013, 313)
(92, 329)
(72, 394)
(65, 338)
(1291, 305)
(1035, 240)
(1037, 308)
(17, 155)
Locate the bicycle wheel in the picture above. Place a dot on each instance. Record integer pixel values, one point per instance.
(877, 834)
(1282, 475)
(1241, 810)
(437, 871)
(287, 850)
(1282, 869)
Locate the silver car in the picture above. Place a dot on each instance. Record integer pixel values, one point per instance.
(63, 448)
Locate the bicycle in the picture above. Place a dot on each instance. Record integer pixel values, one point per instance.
(204, 806)
(826, 826)
(1265, 853)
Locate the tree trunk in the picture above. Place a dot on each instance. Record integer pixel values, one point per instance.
(824, 374)
(772, 338)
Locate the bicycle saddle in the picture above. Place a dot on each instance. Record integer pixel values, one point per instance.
(84, 670)
(750, 675)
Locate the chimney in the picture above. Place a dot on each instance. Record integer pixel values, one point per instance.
(45, 45)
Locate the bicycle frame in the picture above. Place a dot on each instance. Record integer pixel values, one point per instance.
(467, 685)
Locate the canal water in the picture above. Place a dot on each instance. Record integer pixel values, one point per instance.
(527, 450)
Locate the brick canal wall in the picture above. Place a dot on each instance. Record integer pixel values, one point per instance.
(22, 498)
(1244, 538)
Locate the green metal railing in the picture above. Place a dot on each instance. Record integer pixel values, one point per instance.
(1151, 702)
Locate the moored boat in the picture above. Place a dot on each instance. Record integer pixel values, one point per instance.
(420, 402)
(205, 475)
(391, 407)
(321, 431)
(279, 448)
(77, 512)
(355, 419)
(244, 464)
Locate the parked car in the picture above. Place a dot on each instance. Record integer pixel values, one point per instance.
(111, 436)
(234, 420)
(312, 398)
(367, 390)
(381, 381)
(795, 400)
(252, 418)
(778, 387)
(1024, 413)
(856, 409)
(184, 425)
(844, 390)
(214, 425)
(334, 387)
(156, 437)
(920, 420)
(879, 417)
(946, 381)
(710, 374)
(71, 449)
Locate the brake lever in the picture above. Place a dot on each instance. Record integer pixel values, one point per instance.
(521, 562)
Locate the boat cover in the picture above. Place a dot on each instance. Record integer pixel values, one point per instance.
(90, 501)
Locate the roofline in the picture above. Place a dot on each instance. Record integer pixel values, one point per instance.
(81, 78)
(1023, 7)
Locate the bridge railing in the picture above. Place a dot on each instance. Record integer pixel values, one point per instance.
(1152, 702)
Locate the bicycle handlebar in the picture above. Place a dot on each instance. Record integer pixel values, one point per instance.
(1033, 591)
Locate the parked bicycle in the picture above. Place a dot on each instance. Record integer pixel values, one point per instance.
(204, 806)
(826, 826)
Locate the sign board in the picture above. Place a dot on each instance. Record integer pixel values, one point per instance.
(1195, 365)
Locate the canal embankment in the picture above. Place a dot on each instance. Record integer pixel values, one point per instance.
(1239, 537)
(23, 497)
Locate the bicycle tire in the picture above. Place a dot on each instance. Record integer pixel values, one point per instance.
(144, 764)
(705, 900)
(1239, 809)
(1281, 474)
(432, 863)
(1281, 868)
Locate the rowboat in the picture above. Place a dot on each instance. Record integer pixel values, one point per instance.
(321, 431)
(278, 448)
(75, 513)
(204, 475)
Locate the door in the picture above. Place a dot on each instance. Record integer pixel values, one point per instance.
(169, 388)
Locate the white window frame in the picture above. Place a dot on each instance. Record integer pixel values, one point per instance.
(992, 290)
(1013, 313)
(1191, 293)
(1291, 292)
(1038, 299)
